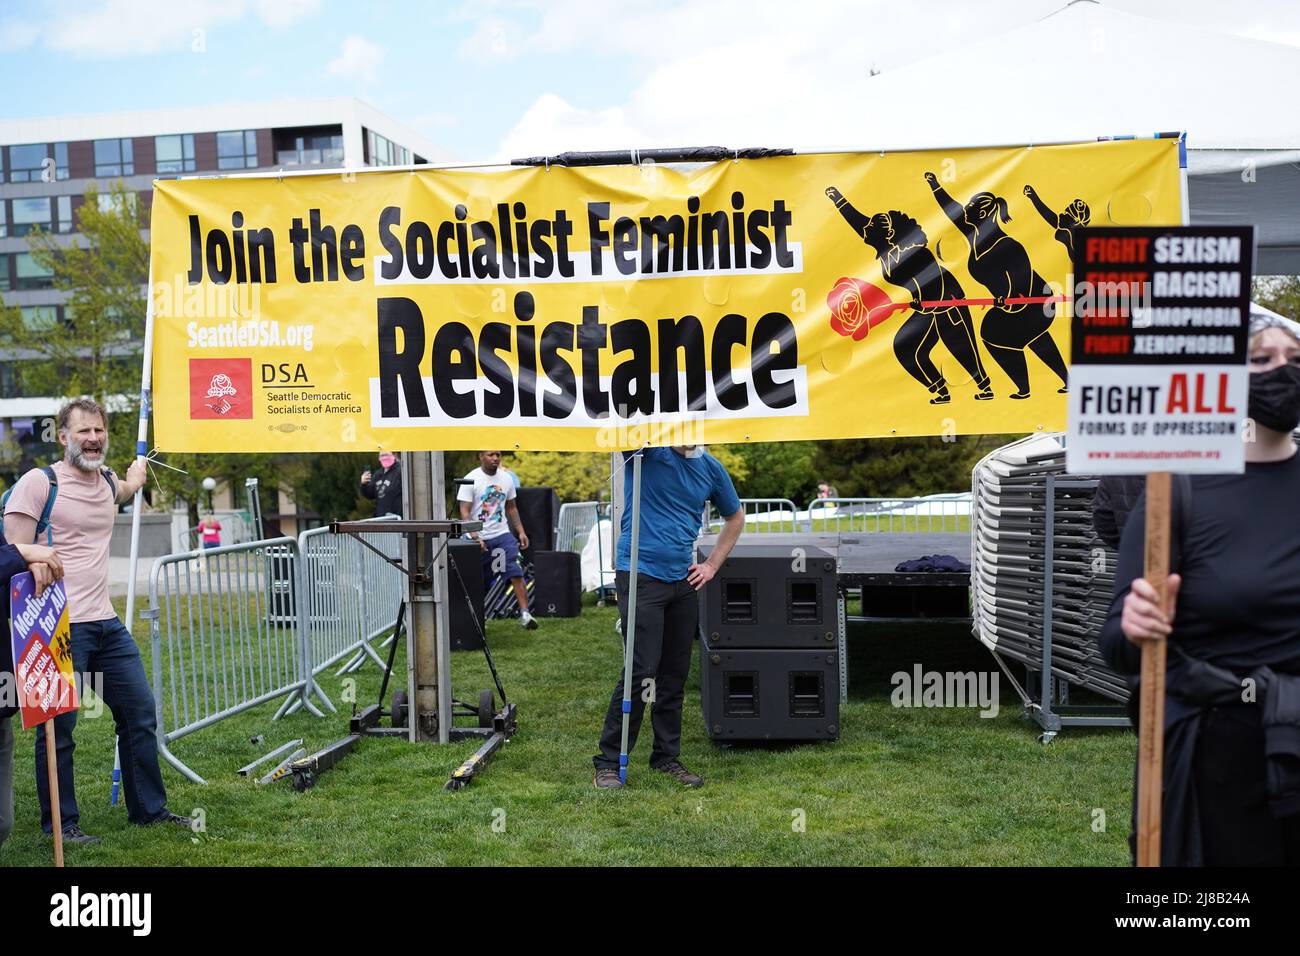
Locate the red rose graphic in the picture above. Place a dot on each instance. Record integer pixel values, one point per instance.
(857, 306)
(848, 312)
(221, 389)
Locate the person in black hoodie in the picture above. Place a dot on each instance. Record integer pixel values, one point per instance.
(45, 567)
(384, 487)
(1232, 752)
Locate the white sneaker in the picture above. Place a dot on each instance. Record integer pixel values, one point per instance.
(527, 620)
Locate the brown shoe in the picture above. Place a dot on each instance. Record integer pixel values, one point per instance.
(681, 774)
(607, 779)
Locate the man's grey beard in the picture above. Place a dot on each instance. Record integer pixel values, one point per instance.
(78, 457)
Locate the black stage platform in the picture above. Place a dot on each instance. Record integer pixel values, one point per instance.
(865, 562)
(868, 559)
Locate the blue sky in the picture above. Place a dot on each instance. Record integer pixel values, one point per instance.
(497, 78)
(435, 66)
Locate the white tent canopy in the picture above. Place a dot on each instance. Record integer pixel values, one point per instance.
(1088, 71)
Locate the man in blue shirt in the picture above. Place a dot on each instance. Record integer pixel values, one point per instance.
(675, 485)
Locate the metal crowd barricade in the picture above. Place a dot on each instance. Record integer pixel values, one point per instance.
(574, 524)
(762, 515)
(573, 528)
(226, 636)
(932, 513)
(352, 595)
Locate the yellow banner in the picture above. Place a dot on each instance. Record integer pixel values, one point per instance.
(801, 297)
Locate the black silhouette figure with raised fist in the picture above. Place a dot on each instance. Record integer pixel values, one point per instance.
(1001, 264)
(906, 261)
(1064, 222)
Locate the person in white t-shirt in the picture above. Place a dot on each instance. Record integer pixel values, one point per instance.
(491, 500)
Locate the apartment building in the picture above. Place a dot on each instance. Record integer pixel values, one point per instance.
(47, 163)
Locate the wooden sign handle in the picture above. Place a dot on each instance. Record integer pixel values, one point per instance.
(1151, 720)
(52, 769)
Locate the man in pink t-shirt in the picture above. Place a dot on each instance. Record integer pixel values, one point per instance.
(85, 506)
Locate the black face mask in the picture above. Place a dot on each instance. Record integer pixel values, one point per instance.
(1275, 398)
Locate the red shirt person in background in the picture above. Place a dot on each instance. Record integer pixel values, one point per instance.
(210, 531)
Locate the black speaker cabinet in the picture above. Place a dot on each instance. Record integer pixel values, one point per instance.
(559, 583)
(467, 558)
(750, 695)
(772, 596)
(539, 510)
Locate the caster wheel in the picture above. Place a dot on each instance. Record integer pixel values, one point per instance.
(304, 781)
(486, 708)
(1046, 737)
(399, 711)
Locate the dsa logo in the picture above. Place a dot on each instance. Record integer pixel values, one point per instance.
(221, 388)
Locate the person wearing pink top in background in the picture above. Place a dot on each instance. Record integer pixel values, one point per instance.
(210, 531)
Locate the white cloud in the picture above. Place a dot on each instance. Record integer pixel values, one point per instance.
(495, 39)
(360, 59)
(761, 72)
(110, 28)
(729, 73)
(551, 125)
(121, 27)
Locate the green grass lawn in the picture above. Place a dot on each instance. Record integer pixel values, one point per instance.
(902, 786)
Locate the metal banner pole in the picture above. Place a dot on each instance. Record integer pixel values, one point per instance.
(141, 446)
(441, 592)
(424, 675)
(629, 639)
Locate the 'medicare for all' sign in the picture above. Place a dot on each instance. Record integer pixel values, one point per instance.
(1158, 377)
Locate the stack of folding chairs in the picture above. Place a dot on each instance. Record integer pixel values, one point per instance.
(1011, 561)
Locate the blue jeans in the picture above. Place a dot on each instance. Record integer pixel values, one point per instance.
(108, 649)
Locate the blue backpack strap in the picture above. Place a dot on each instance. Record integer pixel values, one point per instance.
(112, 485)
(44, 523)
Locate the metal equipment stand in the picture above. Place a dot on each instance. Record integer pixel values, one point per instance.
(1045, 694)
(494, 726)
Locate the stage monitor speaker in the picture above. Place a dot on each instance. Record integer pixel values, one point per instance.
(539, 510)
(465, 624)
(769, 694)
(559, 583)
(770, 596)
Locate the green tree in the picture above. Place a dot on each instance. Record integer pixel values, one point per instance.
(1279, 293)
(585, 476)
(778, 470)
(329, 484)
(228, 469)
(575, 476)
(95, 350)
(902, 467)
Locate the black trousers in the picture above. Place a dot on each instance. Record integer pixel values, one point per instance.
(667, 623)
(1237, 828)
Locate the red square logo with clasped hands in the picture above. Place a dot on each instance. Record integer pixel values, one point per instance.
(221, 388)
